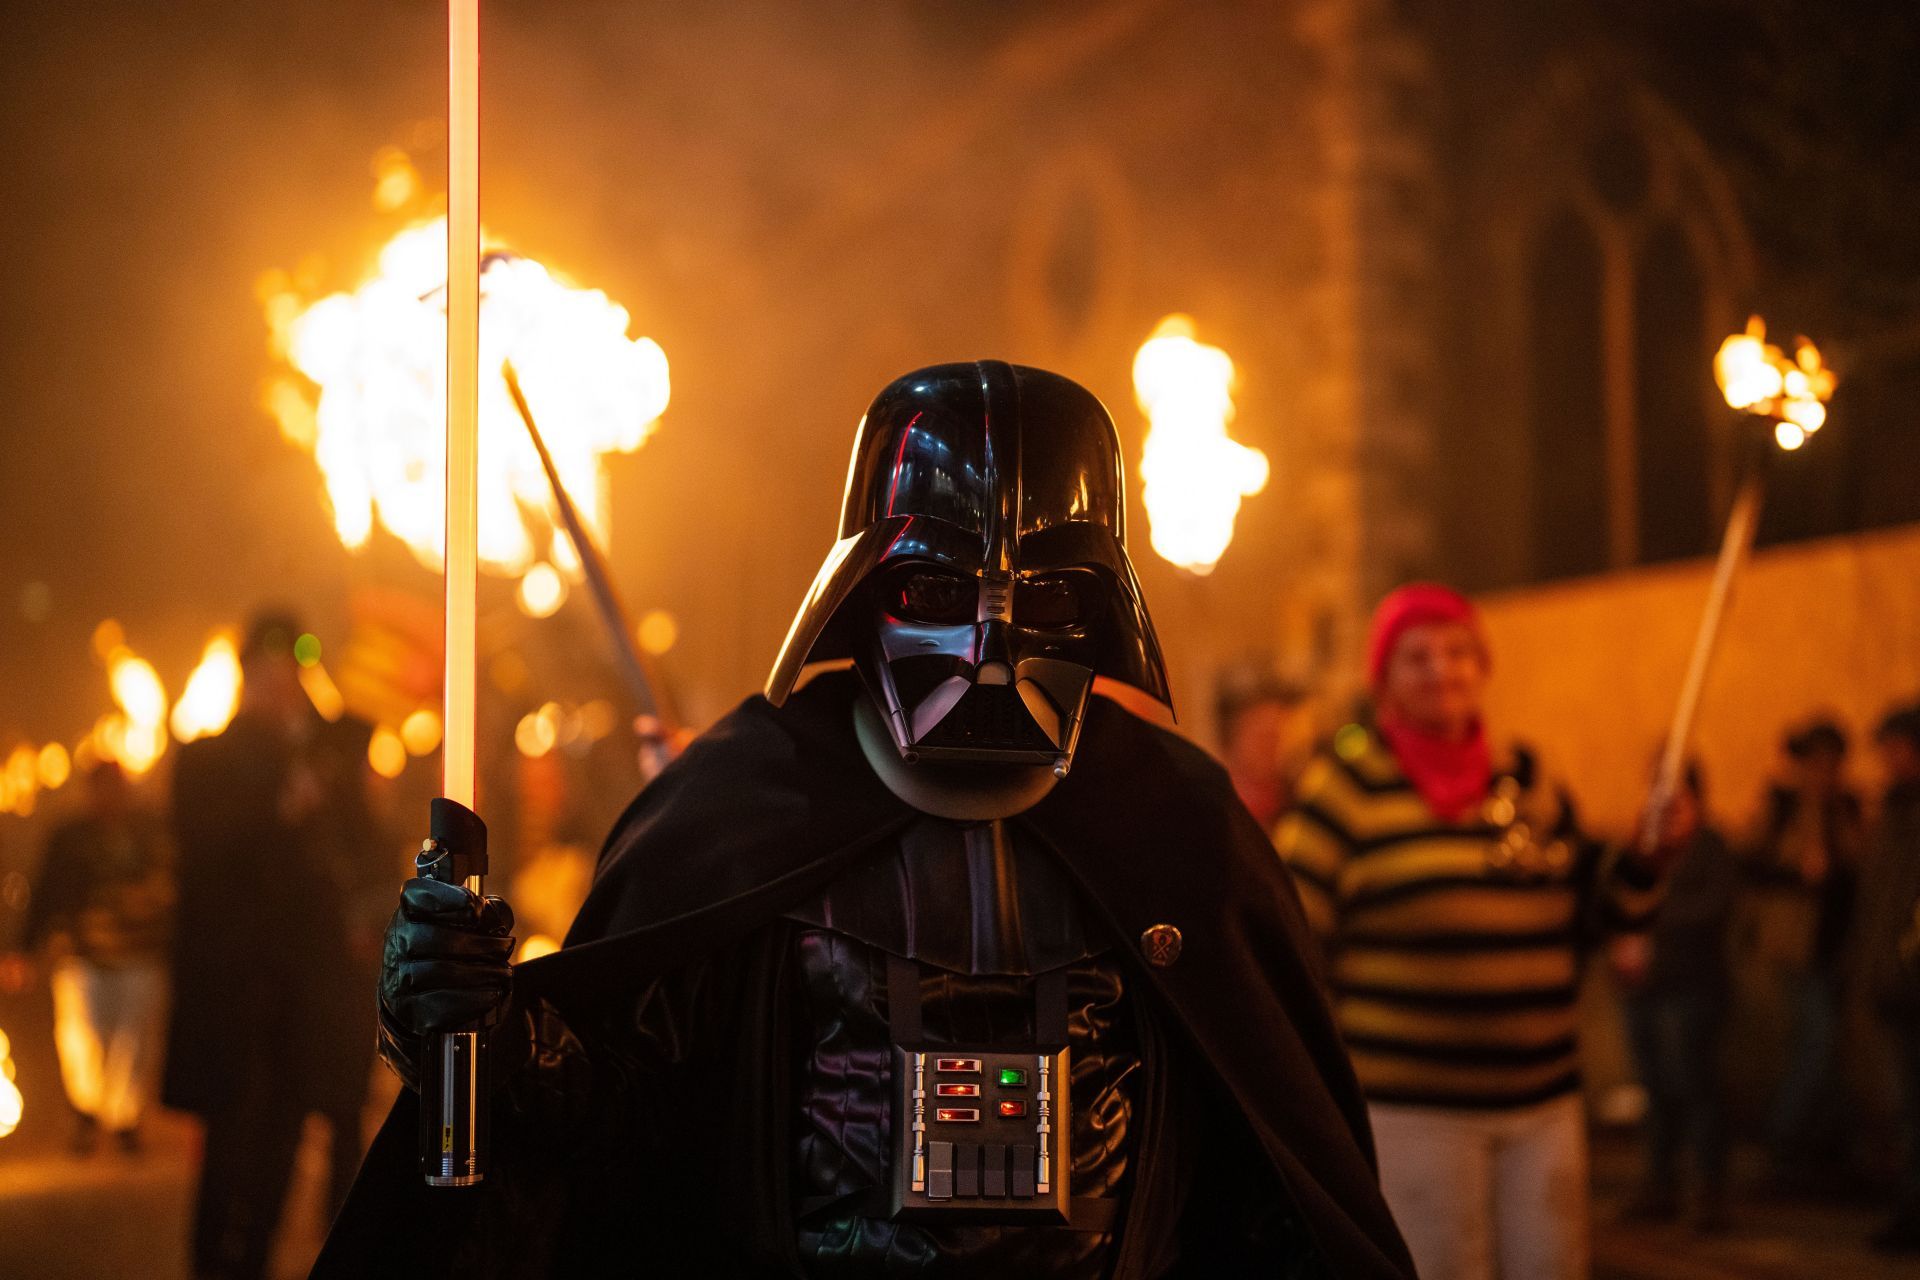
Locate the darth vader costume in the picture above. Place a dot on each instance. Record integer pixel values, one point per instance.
(942, 966)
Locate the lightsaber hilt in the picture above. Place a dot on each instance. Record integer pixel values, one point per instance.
(455, 1072)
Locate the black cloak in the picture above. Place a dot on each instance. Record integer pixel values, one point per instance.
(758, 816)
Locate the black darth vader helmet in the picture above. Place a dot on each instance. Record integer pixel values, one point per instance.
(981, 578)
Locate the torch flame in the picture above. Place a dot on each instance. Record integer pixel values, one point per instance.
(1195, 476)
(212, 693)
(1756, 376)
(11, 1103)
(138, 735)
(377, 357)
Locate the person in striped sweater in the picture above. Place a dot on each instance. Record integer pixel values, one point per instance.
(1456, 898)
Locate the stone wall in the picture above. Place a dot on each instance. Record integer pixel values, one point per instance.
(1588, 671)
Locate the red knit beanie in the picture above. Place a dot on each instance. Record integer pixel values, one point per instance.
(1413, 605)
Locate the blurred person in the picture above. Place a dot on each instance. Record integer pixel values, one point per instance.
(270, 972)
(1806, 860)
(1455, 896)
(1889, 945)
(99, 912)
(1260, 719)
(1676, 983)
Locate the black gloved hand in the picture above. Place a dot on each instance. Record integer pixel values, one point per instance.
(445, 963)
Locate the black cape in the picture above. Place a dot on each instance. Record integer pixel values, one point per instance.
(763, 811)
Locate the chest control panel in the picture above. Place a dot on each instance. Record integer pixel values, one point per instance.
(981, 1135)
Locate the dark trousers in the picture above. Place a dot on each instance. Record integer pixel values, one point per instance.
(1676, 1048)
(1905, 1034)
(1807, 1125)
(250, 1147)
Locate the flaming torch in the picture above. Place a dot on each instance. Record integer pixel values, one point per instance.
(1194, 475)
(1759, 379)
(369, 400)
(212, 692)
(11, 1103)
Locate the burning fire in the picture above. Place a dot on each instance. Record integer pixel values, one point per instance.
(11, 1103)
(1756, 376)
(136, 734)
(369, 399)
(1195, 476)
(212, 694)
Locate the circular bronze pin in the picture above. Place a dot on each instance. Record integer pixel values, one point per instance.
(1161, 945)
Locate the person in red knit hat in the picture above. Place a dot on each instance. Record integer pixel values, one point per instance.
(1455, 894)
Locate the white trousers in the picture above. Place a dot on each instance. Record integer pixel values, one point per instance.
(1488, 1195)
(106, 1028)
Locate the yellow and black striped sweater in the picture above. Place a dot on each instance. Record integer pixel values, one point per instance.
(1454, 947)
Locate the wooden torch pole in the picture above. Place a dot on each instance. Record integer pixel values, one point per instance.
(1735, 545)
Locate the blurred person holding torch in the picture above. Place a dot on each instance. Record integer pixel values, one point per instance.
(1456, 896)
(1676, 983)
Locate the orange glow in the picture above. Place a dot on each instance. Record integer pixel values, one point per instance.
(212, 692)
(1758, 377)
(386, 753)
(19, 781)
(538, 731)
(535, 946)
(1194, 474)
(421, 731)
(366, 392)
(322, 692)
(396, 184)
(107, 637)
(542, 591)
(54, 766)
(657, 632)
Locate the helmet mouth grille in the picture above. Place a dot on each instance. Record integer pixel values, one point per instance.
(989, 722)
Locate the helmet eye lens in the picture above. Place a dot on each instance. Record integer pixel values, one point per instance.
(1052, 601)
(934, 597)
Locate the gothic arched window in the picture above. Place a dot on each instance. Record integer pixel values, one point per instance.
(1619, 256)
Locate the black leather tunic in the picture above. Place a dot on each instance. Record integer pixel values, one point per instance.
(980, 915)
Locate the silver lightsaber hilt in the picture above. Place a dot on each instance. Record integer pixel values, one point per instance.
(455, 1080)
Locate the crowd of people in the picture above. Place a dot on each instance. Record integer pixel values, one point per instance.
(1458, 898)
(1455, 894)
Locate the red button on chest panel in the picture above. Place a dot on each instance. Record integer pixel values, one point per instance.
(958, 1066)
(1013, 1109)
(957, 1090)
(956, 1115)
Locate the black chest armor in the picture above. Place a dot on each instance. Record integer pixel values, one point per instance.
(952, 957)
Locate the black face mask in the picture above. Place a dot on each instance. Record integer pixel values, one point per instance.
(981, 579)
